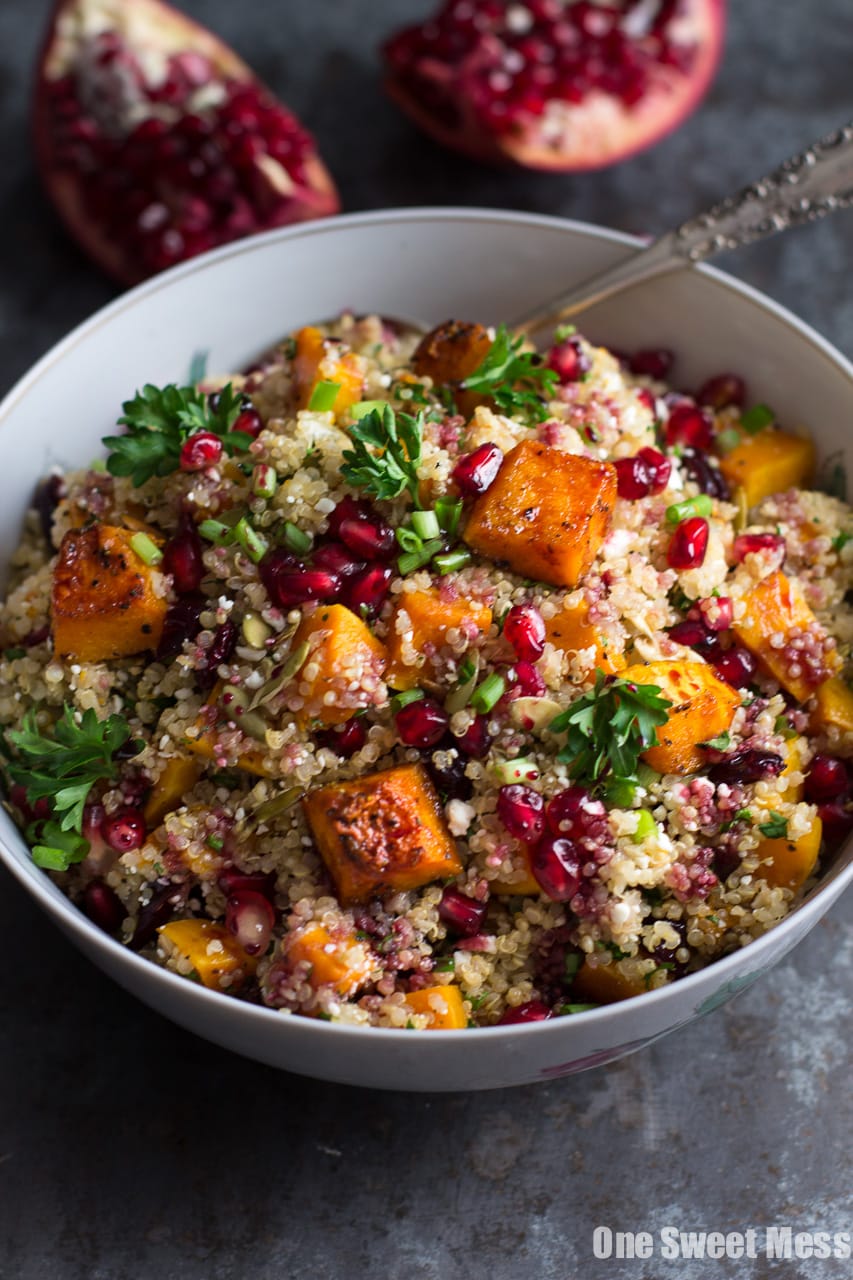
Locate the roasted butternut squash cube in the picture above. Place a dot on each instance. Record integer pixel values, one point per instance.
(107, 602)
(336, 959)
(546, 514)
(213, 952)
(522, 883)
(703, 706)
(444, 1005)
(344, 666)
(607, 983)
(382, 833)
(450, 353)
(418, 629)
(794, 752)
(180, 774)
(776, 608)
(204, 740)
(571, 630)
(768, 463)
(834, 709)
(316, 360)
(787, 864)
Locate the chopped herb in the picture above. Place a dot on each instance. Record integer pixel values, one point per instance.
(775, 828)
(417, 558)
(477, 1002)
(666, 966)
(572, 962)
(728, 439)
(608, 727)
(386, 454)
(215, 842)
(616, 952)
(646, 826)
(487, 694)
(198, 367)
(566, 1010)
(146, 548)
(757, 418)
(517, 380)
(264, 480)
(425, 524)
(216, 531)
(323, 397)
(449, 512)
(451, 561)
(841, 539)
(252, 542)
(11, 655)
(784, 728)
(297, 539)
(403, 699)
(721, 743)
(446, 964)
(621, 792)
(564, 331)
(364, 407)
(701, 505)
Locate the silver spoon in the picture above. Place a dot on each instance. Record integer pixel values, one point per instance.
(817, 181)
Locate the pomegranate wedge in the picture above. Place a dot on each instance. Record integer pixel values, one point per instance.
(556, 84)
(156, 142)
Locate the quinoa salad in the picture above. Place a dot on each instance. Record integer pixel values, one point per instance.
(424, 682)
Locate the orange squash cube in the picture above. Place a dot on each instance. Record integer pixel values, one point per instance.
(703, 706)
(450, 353)
(104, 603)
(444, 1005)
(205, 742)
(776, 607)
(768, 462)
(606, 984)
(522, 883)
(787, 864)
(382, 833)
(546, 514)
(834, 707)
(337, 959)
(214, 953)
(344, 664)
(316, 361)
(419, 626)
(179, 775)
(571, 630)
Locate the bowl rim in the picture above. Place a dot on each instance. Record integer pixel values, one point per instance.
(36, 882)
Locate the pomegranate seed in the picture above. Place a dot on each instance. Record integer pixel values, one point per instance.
(124, 830)
(348, 508)
(716, 612)
(232, 881)
(31, 813)
(450, 778)
(690, 425)
(461, 914)
(182, 558)
(249, 422)
(524, 628)
(746, 544)
(166, 900)
(723, 390)
(181, 623)
(250, 917)
(736, 666)
(574, 813)
(369, 539)
(476, 471)
(288, 585)
(747, 766)
(688, 544)
(476, 739)
(525, 681)
(659, 469)
(365, 592)
(569, 360)
(346, 740)
(646, 473)
(530, 1011)
(695, 635)
(556, 866)
(422, 723)
(826, 780)
(837, 822)
(336, 559)
(204, 449)
(103, 906)
(654, 363)
(522, 811)
(221, 648)
(705, 474)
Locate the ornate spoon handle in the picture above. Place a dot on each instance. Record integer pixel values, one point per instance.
(817, 181)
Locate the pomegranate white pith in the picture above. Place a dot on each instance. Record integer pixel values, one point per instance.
(156, 142)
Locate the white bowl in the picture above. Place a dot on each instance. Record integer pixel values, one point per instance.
(426, 265)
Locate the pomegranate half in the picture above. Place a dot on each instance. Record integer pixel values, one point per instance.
(556, 84)
(156, 142)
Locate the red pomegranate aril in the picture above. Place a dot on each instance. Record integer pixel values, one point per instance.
(746, 544)
(688, 544)
(204, 449)
(652, 363)
(524, 628)
(348, 508)
(251, 918)
(695, 634)
(722, 390)
(476, 739)
(659, 468)
(103, 906)
(556, 865)
(337, 559)
(827, 779)
(221, 647)
(232, 881)
(750, 765)
(346, 740)
(39, 810)
(249, 422)
(530, 1011)
(124, 830)
(736, 666)
(182, 558)
(365, 592)
(837, 822)
(574, 813)
(370, 539)
(462, 915)
(647, 472)
(526, 681)
(689, 424)
(716, 612)
(569, 360)
(522, 812)
(476, 471)
(290, 587)
(181, 623)
(705, 474)
(422, 723)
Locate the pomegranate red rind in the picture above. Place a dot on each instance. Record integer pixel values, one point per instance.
(156, 142)
(556, 84)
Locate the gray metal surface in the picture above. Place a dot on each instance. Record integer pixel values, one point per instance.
(128, 1149)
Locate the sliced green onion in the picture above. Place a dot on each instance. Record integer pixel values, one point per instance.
(264, 480)
(297, 539)
(408, 539)
(489, 693)
(446, 964)
(564, 331)
(215, 842)
(449, 512)
(364, 407)
(450, 561)
(520, 770)
(215, 531)
(757, 418)
(406, 696)
(728, 439)
(323, 397)
(784, 728)
(417, 559)
(701, 505)
(146, 548)
(425, 524)
(621, 792)
(458, 697)
(646, 826)
(254, 545)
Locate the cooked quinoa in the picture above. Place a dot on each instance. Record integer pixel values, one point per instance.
(344, 685)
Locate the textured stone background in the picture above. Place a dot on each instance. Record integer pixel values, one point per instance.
(128, 1148)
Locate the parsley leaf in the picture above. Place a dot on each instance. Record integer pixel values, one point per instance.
(841, 539)
(386, 454)
(609, 727)
(775, 827)
(721, 743)
(160, 419)
(517, 380)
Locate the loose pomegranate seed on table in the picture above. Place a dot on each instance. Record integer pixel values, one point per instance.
(475, 472)
(688, 544)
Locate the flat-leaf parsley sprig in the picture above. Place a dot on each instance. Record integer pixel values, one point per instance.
(517, 380)
(160, 420)
(386, 453)
(62, 769)
(609, 727)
